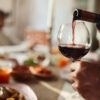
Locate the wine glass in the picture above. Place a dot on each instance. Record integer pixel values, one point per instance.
(74, 42)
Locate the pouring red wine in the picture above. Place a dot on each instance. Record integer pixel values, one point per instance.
(87, 87)
(74, 40)
(91, 17)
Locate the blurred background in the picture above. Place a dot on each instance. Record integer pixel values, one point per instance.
(43, 16)
(29, 27)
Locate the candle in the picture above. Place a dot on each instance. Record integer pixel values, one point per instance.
(50, 13)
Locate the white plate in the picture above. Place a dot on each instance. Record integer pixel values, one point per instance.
(23, 89)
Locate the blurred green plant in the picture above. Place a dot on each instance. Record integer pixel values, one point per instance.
(30, 62)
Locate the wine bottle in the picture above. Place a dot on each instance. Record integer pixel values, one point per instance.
(87, 16)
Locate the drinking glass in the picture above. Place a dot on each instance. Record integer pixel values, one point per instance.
(74, 41)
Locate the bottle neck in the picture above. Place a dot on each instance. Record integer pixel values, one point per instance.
(86, 16)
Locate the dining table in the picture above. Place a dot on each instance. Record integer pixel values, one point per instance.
(54, 88)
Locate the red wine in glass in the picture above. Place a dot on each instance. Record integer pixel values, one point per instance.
(74, 40)
(74, 52)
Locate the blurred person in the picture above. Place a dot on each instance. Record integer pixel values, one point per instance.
(33, 38)
(4, 40)
(24, 40)
(86, 79)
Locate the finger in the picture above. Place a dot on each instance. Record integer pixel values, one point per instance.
(73, 77)
(75, 85)
(75, 67)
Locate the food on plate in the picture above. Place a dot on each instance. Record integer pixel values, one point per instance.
(34, 61)
(10, 94)
(62, 62)
(4, 74)
(21, 73)
(40, 58)
(21, 69)
(40, 71)
(30, 62)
